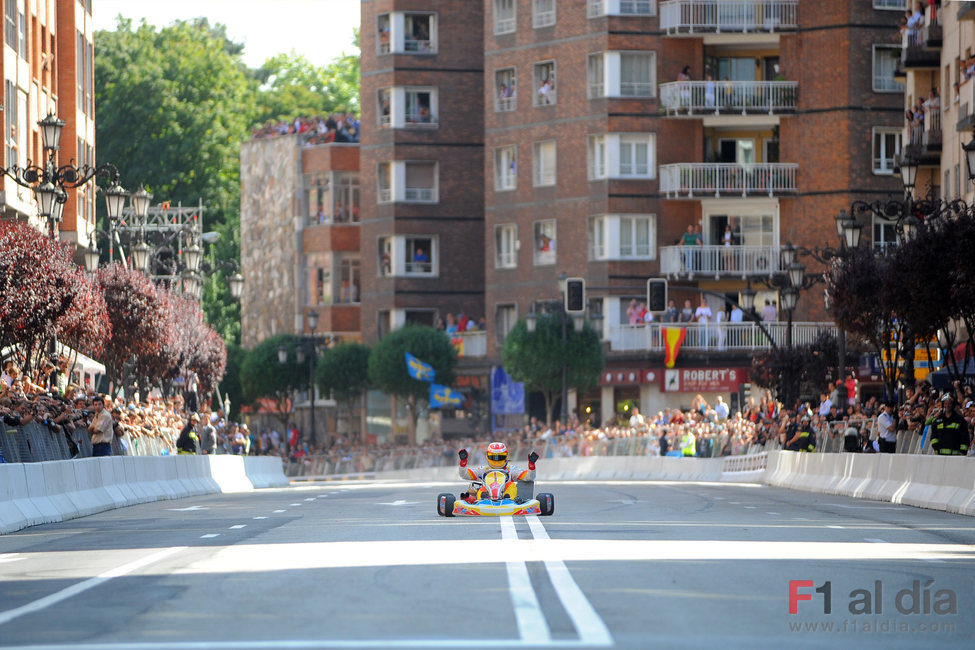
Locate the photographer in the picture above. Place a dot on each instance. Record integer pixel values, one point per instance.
(101, 429)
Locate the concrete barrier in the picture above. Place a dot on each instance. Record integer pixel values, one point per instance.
(52, 491)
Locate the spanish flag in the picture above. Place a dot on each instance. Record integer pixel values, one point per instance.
(673, 337)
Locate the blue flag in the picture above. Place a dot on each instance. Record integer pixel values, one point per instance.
(418, 369)
(444, 396)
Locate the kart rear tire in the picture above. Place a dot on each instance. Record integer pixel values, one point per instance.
(445, 504)
(546, 503)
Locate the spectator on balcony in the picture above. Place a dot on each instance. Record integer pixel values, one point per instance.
(543, 91)
(769, 312)
(689, 240)
(671, 315)
(684, 79)
(633, 313)
(709, 100)
(914, 24)
(687, 312)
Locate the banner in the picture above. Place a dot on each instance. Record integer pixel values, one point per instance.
(418, 369)
(673, 337)
(444, 396)
(507, 395)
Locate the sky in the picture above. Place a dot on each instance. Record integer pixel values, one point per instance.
(318, 29)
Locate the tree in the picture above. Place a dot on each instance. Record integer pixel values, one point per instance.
(536, 359)
(230, 387)
(264, 377)
(797, 372)
(343, 371)
(387, 365)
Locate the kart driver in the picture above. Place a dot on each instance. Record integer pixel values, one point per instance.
(497, 457)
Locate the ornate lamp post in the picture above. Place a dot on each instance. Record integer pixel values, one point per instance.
(307, 348)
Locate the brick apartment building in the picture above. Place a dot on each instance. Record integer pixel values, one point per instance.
(506, 142)
(47, 67)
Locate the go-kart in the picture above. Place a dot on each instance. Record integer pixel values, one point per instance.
(496, 494)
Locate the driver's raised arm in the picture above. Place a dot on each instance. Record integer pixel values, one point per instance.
(466, 473)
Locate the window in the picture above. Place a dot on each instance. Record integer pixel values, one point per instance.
(323, 287)
(505, 16)
(385, 107)
(10, 104)
(637, 74)
(544, 233)
(506, 246)
(385, 257)
(79, 73)
(505, 168)
(543, 13)
(383, 36)
(623, 237)
(319, 198)
(637, 8)
(544, 163)
(346, 208)
(594, 76)
(418, 36)
(545, 83)
(384, 182)
(22, 31)
(884, 233)
(885, 58)
(10, 23)
(505, 81)
(421, 182)
(420, 107)
(419, 253)
(597, 157)
(505, 318)
(636, 155)
(886, 149)
(349, 290)
(897, 5)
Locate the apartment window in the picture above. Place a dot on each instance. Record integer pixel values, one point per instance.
(384, 36)
(506, 246)
(544, 163)
(898, 5)
(421, 182)
(597, 155)
(505, 168)
(637, 7)
(885, 58)
(385, 106)
(595, 76)
(319, 198)
(323, 286)
(543, 13)
(544, 233)
(886, 149)
(884, 233)
(346, 207)
(637, 78)
(636, 155)
(350, 281)
(385, 257)
(419, 255)
(505, 319)
(10, 113)
(544, 74)
(21, 30)
(420, 106)
(384, 183)
(10, 23)
(636, 238)
(505, 16)
(505, 82)
(419, 33)
(79, 71)
(597, 238)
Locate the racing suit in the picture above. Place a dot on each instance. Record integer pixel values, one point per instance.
(477, 473)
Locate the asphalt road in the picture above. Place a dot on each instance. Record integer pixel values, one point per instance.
(620, 564)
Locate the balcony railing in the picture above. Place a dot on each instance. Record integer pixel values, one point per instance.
(470, 344)
(693, 98)
(699, 180)
(597, 8)
(719, 261)
(384, 195)
(717, 337)
(420, 194)
(719, 16)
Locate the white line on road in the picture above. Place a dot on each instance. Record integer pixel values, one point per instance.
(294, 504)
(309, 644)
(238, 526)
(279, 511)
(310, 499)
(11, 557)
(589, 626)
(834, 527)
(260, 517)
(209, 535)
(532, 626)
(77, 588)
(774, 514)
(751, 507)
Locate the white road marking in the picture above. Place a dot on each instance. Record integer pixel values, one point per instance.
(589, 626)
(828, 526)
(77, 588)
(11, 557)
(799, 519)
(532, 626)
(238, 526)
(310, 499)
(774, 514)
(751, 507)
(840, 505)
(312, 644)
(260, 517)
(399, 502)
(209, 535)
(734, 503)
(278, 511)
(294, 504)
(187, 509)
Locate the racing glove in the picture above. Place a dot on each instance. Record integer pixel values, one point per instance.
(463, 457)
(532, 457)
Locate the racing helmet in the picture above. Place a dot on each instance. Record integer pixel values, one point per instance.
(497, 455)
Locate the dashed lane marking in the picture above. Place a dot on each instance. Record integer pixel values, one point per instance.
(238, 526)
(209, 535)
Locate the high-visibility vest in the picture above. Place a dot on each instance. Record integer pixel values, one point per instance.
(687, 444)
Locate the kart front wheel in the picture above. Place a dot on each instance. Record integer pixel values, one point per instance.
(445, 504)
(546, 504)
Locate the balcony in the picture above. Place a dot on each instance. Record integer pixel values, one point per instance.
(597, 8)
(705, 180)
(470, 344)
(921, 49)
(713, 337)
(966, 106)
(719, 261)
(700, 98)
(924, 140)
(691, 17)
(966, 10)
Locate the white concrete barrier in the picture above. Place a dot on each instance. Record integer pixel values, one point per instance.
(36, 493)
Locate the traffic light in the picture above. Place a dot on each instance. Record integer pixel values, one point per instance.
(575, 295)
(657, 294)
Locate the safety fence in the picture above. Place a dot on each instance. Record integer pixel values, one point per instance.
(34, 442)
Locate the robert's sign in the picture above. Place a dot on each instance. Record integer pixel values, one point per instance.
(703, 380)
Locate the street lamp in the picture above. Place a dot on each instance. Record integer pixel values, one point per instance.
(306, 348)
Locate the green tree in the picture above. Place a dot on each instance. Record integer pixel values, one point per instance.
(264, 377)
(536, 359)
(387, 365)
(231, 386)
(343, 371)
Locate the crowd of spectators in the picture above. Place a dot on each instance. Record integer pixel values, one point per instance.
(337, 127)
(453, 323)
